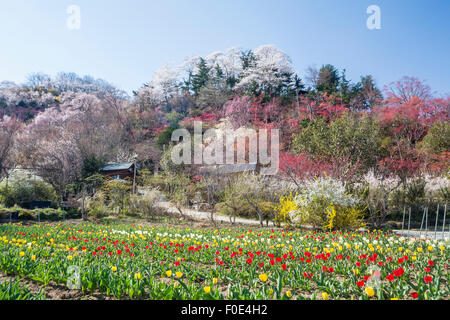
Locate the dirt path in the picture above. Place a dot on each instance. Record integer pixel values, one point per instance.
(439, 235)
(205, 215)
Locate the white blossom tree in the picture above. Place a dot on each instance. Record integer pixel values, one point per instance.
(271, 69)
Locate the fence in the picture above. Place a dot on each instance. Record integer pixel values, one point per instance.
(437, 233)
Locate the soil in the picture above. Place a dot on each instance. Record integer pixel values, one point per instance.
(54, 291)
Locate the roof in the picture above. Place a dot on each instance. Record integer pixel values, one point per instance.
(230, 168)
(118, 166)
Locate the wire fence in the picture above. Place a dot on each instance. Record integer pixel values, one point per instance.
(429, 227)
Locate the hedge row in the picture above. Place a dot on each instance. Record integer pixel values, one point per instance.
(45, 214)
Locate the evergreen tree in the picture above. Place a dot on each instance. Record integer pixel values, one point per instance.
(328, 79)
(367, 95)
(200, 79)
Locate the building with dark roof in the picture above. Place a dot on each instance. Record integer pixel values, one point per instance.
(120, 170)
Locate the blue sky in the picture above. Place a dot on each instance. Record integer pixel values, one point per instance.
(124, 42)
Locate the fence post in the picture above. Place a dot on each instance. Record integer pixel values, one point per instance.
(426, 223)
(435, 226)
(421, 225)
(403, 221)
(409, 220)
(443, 223)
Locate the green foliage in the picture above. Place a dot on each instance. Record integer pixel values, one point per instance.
(313, 139)
(118, 194)
(438, 138)
(328, 79)
(92, 165)
(97, 205)
(358, 139)
(22, 191)
(48, 214)
(167, 165)
(14, 290)
(200, 79)
(165, 136)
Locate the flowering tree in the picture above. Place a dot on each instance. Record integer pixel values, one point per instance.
(9, 127)
(238, 111)
(403, 90)
(408, 113)
(270, 70)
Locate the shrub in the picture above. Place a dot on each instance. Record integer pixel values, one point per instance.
(284, 209)
(96, 205)
(22, 191)
(324, 204)
(145, 205)
(438, 138)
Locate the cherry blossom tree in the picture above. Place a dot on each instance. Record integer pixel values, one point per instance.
(9, 127)
(238, 111)
(271, 69)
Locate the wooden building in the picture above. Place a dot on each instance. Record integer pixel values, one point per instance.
(120, 171)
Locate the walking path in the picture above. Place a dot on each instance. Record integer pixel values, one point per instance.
(422, 234)
(204, 215)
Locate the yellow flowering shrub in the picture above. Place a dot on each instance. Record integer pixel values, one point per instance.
(285, 206)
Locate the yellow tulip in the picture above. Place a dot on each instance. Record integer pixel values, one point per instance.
(370, 292)
(263, 277)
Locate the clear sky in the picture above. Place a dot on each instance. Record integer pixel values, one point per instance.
(124, 42)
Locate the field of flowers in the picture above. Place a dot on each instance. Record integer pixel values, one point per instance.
(179, 262)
